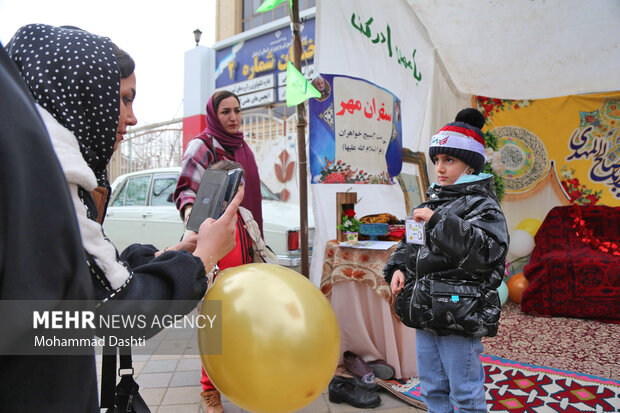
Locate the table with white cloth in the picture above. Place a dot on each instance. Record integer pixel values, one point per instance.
(352, 281)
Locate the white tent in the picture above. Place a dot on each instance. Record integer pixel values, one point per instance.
(525, 49)
(511, 49)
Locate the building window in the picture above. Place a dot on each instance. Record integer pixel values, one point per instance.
(252, 19)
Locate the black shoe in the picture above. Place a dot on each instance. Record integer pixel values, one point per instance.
(349, 390)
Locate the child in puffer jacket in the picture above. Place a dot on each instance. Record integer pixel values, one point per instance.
(447, 286)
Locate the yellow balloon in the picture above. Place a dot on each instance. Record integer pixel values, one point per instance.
(530, 225)
(280, 339)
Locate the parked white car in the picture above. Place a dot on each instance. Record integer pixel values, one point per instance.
(141, 210)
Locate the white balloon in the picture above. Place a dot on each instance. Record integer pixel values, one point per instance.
(521, 243)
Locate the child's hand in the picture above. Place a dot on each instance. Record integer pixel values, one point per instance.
(422, 214)
(398, 282)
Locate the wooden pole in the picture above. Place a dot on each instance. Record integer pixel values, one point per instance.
(301, 146)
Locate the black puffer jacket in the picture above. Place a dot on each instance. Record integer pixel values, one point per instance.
(450, 283)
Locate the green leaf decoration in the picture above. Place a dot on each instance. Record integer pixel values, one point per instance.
(298, 89)
(272, 4)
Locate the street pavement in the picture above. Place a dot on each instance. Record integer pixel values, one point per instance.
(168, 371)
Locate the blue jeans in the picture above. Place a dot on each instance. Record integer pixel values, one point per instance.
(451, 373)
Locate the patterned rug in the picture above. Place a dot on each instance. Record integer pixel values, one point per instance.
(524, 388)
(586, 346)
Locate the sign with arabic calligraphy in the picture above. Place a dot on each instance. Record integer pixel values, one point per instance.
(383, 36)
(267, 54)
(581, 141)
(355, 133)
(384, 44)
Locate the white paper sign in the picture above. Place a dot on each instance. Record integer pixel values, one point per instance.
(414, 231)
(363, 124)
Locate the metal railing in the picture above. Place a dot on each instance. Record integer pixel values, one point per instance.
(152, 146)
(161, 145)
(260, 128)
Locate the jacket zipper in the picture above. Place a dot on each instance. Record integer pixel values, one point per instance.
(415, 285)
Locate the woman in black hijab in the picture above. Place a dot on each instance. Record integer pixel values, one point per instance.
(35, 200)
(84, 87)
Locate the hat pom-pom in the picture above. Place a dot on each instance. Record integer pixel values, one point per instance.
(471, 116)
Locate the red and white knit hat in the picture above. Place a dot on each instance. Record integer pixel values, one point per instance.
(461, 140)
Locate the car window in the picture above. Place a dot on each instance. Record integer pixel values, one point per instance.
(120, 198)
(266, 193)
(163, 188)
(137, 189)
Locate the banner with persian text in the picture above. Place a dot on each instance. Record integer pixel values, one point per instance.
(355, 132)
(383, 43)
(575, 138)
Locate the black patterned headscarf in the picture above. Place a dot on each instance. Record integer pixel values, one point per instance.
(73, 74)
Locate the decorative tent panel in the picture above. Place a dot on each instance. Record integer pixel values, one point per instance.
(578, 136)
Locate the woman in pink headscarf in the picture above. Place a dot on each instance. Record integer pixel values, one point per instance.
(220, 140)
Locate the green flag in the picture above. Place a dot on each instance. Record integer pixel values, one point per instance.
(298, 89)
(271, 4)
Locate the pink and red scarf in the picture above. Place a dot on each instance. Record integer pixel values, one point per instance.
(235, 144)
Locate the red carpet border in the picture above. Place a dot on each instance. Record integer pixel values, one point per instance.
(524, 388)
(519, 387)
